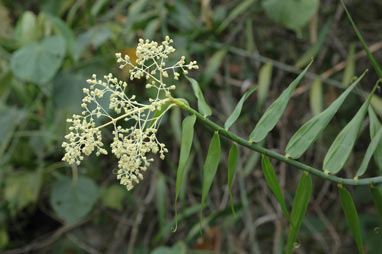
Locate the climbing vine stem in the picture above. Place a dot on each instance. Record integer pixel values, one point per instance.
(229, 135)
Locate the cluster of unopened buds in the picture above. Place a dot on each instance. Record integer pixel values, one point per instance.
(131, 145)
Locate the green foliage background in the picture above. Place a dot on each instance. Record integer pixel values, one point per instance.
(49, 48)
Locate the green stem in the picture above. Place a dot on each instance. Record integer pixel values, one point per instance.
(277, 156)
(74, 174)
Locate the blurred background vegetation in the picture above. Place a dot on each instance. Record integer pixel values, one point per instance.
(48, 48)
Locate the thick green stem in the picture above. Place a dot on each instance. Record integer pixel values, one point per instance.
(277, 156)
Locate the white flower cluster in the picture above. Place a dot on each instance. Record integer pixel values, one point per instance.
(132, 144)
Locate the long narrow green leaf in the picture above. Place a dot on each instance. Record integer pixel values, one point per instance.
(66, 32)
(210, 167)
(300, 204)
(232, 163)
(161, 197)
(315, 48)
(185, 147)
(158, 112)
(310, 131)
(351, 216)
(264, 82)
(273, 184)
(270, 118)
(242, 7)
(236, 112)
(375, 64)
(342, 146)
(377, 198)
(369, 153)
(213, 65)
(350, 67)
(202, 105)
(375, 125)
(316, 97)
(376, 102)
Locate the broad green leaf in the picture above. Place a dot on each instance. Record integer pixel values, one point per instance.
(210, 167)
(351, 216)
(213, 65)
(375, 125)
(238, 10)
(203, 107)
(342, 146)
(236, 112)
(264, 81)
(374, 62)
(315, 48)
(270, 118)
(113, 196)
(350, 67)
(291, 13)
(71, 200)
(377, 198)
(309, 132)
(375, 142)
(273, 184)
(22, 189)
(39, 62)
(232, 164)
(65, 31)
(161, 195)
(300, 204)
(67, 91)
(315, 97)
(185, 148)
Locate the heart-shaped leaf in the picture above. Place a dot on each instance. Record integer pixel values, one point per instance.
(39, 62)
(293, 14)
(73, 200)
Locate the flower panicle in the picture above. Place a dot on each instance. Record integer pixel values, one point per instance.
(131, 145)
